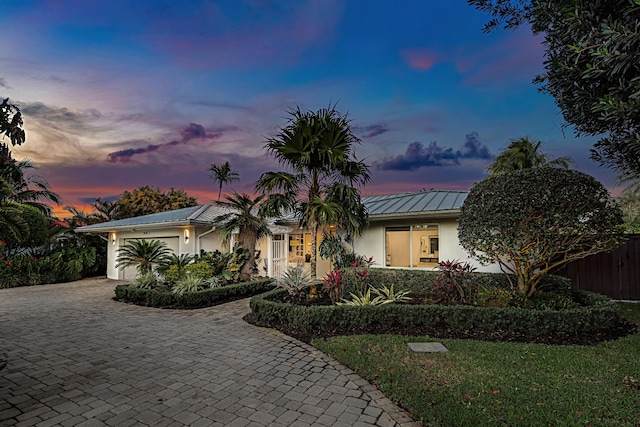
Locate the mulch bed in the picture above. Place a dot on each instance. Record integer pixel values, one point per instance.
(624, 329)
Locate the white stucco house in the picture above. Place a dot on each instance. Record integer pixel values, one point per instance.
(408, 230)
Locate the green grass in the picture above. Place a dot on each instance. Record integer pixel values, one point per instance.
(488, 383)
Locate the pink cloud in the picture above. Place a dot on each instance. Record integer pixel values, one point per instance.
(419, 59)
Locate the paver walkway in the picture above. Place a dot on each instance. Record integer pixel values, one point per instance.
(75, 357)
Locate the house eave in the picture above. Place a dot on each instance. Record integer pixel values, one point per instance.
(444, 214)
(137, 227)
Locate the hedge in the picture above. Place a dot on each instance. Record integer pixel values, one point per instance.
(421, 281)
(599, 314)
(206, 298)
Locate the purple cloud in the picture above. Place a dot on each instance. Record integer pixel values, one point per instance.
(417, 155)
(190, 132)
(372, 130)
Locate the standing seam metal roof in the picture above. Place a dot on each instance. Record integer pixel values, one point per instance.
(383, 205)
(405, 203)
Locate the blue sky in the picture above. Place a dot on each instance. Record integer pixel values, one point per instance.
(121, 94)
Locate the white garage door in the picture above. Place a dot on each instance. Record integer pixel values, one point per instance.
(173, 243)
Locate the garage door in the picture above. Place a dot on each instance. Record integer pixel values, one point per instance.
(173, 243)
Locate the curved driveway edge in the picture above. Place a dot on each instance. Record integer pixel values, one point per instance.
(75, 357)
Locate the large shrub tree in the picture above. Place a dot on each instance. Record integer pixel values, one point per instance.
(147, 200)
(321, 184)
(535, 220)
(592, 67)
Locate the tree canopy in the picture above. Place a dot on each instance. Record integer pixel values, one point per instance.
(592, 67)
(323, 176)
(246, 218)
(535, 220)
(223, 174)
(147, 200)
(524, 153)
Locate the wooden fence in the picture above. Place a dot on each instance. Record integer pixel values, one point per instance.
(615, 274)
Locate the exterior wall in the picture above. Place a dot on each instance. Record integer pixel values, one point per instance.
(187, 237)
(372, 243)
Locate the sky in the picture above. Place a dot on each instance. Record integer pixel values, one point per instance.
(119, 94)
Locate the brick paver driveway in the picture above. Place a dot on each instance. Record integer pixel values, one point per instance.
(75, 357)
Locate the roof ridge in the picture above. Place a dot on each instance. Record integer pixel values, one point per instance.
(197, 213)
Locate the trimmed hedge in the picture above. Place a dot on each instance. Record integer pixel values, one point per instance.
(421, 281)
(600, 314)
(206, 298)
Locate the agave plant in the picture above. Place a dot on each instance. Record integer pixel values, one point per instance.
(296, 280)
(189, 284)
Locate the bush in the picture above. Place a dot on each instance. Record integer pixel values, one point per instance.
(536, 220)
(190, 300)
(200, 270)
(600, 314)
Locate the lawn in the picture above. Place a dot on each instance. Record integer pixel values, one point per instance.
(490, 383)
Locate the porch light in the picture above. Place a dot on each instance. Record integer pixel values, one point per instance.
(186, 236)
(113, 238)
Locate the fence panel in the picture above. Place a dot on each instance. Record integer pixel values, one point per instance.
(615, 274)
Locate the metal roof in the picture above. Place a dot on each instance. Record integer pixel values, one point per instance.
(195, 215)
(414, 204)
(429, 203)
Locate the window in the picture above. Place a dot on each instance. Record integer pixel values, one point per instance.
(412, 246)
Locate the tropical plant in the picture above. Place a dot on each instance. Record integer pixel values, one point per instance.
(190, 283)
(334, 284)
(454, 280)
(296, 280)
(389, 295)
(333, 248)
(146, 280)
(320, 186)
(179, 261)
(535, 220)
(591, 67)
(218, 261)
(35, 234)
(32, 190)
(143, 254)
(11, 221)
(104, 211)
(244, 216)
(523, 153)
(223, 174)
(363, 299)
(200, 269)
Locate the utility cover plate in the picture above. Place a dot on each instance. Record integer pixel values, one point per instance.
(427, 347)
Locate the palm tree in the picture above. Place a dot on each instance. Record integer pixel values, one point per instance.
(523, 153)
(104, 210)
(10, 215)
(30, 190)
(246, 217)
(321, 184)
(222, 174)
(143, 254)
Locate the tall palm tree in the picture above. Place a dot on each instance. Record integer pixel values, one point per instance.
(320, 186)
(246, 217)
(523, 153)
(143, 254)
(223, 174)
(10, 215)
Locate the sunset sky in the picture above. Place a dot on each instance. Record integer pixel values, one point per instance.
(118, 94)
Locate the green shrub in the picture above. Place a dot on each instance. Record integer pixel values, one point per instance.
(189, 300)
(201, 270)
(217, 260)
(600, 314)
(173, 274)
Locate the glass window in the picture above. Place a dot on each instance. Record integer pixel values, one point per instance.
(414, 246)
